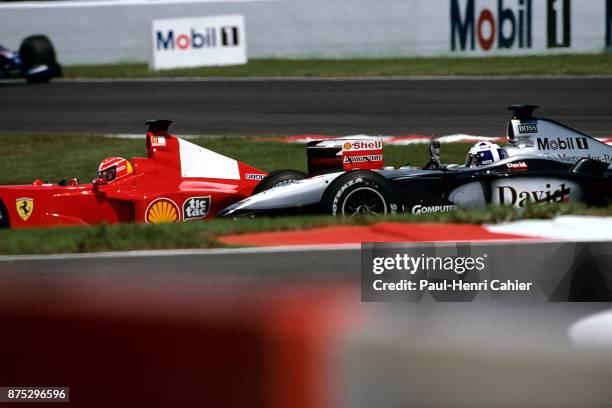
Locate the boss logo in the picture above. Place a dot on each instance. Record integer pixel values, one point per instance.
(524, 128)
(196, 207)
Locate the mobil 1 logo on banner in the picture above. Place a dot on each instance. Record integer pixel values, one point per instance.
(515, 25)
(197, 42)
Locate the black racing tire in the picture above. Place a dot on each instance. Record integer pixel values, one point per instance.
(4, 217)
(279, 178)
(359, 192)
(39, 78)
(38, 50)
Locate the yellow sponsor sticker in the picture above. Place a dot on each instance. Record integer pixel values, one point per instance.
(162, 211)
(25, 207)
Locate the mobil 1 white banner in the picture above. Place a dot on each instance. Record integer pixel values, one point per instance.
(198, 42)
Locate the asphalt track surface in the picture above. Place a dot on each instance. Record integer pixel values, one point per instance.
(224, 271)
(233, 265)
(289, 107)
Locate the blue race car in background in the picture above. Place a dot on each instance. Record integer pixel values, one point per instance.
(35, 61)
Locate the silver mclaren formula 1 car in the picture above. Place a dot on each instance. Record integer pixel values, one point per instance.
(544, 161)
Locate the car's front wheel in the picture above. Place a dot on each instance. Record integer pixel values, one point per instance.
(359, 193)
(35, 51)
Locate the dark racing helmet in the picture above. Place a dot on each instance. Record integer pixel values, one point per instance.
(483, 153)
(114, 168)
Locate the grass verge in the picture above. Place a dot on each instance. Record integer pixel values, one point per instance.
(204, 234)
(597, 64)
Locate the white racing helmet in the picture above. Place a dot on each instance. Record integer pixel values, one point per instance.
(483, 153)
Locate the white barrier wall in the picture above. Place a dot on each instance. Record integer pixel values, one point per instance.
(91, 32)
(198, 42)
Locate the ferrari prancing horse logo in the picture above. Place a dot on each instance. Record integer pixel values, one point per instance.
(25, 207)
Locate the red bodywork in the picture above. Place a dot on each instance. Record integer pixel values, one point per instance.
(164, 187)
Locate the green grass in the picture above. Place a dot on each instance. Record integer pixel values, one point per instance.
(529, 65)
(51, 158)
(204, 234)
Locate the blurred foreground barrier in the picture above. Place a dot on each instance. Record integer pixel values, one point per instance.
(280, 329)
(471, 355)
(220, 330)
(175, 347)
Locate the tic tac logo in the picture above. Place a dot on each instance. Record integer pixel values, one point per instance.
(509, 195)
(509, 27)
(558, 23)
(195, 208)
(208, 37)
(25, 207)
(526, 128)
(580, 143)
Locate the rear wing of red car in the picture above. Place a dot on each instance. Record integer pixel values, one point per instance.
(193, 161)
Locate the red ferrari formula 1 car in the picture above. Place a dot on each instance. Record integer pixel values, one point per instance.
(178, 181)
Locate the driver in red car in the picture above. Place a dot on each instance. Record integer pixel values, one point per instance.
(113, 168)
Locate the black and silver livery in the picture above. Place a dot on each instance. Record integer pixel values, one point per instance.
(543, 162)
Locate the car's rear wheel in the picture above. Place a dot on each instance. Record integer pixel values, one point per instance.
(279, 178)
(37, 50)
(359, 193)
(4, 218)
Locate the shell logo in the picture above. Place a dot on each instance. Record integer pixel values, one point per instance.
(162, 211)
(347, 146)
